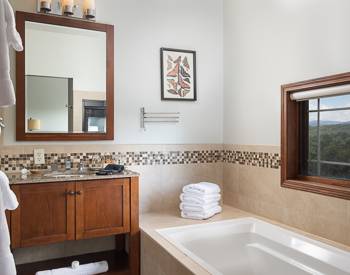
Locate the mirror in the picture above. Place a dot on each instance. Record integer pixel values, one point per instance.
(67, 90)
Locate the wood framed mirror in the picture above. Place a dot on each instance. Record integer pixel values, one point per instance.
(64, 79)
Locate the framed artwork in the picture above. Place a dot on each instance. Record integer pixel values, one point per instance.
(178, 74)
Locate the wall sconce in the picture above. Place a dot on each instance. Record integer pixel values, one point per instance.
(34, 124)
(89, 9)
(45, 6)
(77, 9)
(68, 7)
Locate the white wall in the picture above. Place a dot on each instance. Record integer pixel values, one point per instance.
(273, 42)
(141, 29)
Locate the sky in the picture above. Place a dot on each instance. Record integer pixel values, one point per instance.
(331, 102)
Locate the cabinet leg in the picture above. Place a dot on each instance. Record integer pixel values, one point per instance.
(134, 236)
(134, 253)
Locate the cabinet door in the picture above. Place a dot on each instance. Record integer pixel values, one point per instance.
(45, 214)
(102, 208)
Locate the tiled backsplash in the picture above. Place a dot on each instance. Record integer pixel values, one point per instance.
(259, 159)
(15, 162)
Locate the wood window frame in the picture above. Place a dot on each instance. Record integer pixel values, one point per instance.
(291, 146)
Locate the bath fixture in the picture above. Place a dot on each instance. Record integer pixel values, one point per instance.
(68, 7)
(89, 9)
(81, 167)
(158, 117)
(255, 245)
(45, 6)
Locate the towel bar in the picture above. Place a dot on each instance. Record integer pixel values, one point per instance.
(160, 117)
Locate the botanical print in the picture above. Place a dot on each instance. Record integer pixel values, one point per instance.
(178, 75)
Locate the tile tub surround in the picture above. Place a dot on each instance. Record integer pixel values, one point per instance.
(158, 255)
(257, 190)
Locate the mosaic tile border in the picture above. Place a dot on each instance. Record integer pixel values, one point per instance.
(259, 159)
(14, 163)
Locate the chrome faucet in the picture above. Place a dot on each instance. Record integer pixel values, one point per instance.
(81, 167)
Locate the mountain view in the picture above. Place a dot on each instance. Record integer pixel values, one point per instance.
(335, 144)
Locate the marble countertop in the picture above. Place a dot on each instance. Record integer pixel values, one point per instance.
(17, 178)
(151, 222)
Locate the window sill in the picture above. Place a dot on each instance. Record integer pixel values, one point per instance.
(341, 192)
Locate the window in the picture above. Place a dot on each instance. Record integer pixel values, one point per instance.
(315, 142)
(326, 137)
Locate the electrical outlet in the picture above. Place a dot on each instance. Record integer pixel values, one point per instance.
(39, 156)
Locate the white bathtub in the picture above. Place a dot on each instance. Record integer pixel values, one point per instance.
(249, 246)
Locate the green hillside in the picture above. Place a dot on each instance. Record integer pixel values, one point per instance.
(335, 146)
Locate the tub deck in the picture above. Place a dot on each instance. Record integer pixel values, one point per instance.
(161, 257)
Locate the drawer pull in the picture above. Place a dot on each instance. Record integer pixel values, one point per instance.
(70, 193)
(79, 193)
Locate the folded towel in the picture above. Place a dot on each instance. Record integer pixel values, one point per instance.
(88, 269)
(199, 199)
(201, 215)
(202, 188)
(188, 207)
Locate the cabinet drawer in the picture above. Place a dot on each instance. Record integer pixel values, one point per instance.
(102, 208)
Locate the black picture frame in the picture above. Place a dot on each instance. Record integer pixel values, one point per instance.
(194, 77)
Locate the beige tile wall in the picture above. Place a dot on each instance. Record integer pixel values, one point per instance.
(258, 190)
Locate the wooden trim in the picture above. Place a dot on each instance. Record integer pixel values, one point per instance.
(318, 188)
(134, 236)
(16, 220)
(291, 141)
(21, 134)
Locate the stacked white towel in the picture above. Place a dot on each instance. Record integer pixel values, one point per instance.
(200, 201)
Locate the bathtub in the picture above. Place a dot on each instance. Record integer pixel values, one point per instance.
(249, 246)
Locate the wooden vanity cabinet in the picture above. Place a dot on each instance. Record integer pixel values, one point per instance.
(60, 211)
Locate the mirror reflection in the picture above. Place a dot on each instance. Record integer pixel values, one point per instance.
(65, 79)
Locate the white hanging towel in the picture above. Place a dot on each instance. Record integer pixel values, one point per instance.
(8, 37)
(8, 201)
(202, 188)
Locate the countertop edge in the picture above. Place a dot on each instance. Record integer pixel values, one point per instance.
(18, 179)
